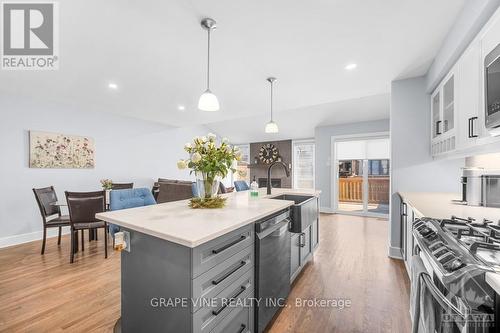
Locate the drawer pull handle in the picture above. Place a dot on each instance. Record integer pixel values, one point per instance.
(302, 240)
(219, 310)
(242, 328)
(225, 276)
(227, 246)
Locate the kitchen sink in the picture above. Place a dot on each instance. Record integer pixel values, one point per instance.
(303, 212)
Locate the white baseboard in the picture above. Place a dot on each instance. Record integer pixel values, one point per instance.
(327, 210)
(30, 237)
(395, 252)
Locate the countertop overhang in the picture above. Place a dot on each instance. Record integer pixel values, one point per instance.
(176, 222)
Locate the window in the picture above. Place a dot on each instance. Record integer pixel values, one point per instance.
(242, 170)
(303, 164)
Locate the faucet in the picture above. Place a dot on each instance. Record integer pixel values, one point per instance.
(269, 173)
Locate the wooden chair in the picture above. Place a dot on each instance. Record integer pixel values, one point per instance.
(121, 186)
(82, 209)
(51, 214)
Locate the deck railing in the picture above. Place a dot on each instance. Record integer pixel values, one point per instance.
(351, 190)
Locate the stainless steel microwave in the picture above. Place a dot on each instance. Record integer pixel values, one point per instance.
(492, 88)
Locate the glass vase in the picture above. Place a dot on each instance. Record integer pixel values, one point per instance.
(207, 185)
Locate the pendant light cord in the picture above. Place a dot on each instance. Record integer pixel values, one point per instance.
(271, 101)
(208, 61)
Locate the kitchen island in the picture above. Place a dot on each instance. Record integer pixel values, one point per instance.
(192, 270)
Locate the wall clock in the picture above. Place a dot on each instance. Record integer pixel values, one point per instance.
(268, 153)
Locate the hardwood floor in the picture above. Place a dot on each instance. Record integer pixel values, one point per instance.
(351, 263)
(47, 294)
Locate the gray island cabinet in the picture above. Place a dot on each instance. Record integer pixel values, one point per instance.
(167, 287)
(191, 270)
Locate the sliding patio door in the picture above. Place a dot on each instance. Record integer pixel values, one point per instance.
(362, 176)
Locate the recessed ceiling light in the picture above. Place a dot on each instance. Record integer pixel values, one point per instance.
(113, 86)
(181, 107)
(351, 67)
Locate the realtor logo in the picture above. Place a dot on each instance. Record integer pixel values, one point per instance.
(30, 36)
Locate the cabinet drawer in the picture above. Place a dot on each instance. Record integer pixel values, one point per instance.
(220, 249)
(215, 280)
(206, 318)
(239, 320)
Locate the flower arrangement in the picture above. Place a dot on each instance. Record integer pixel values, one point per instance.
(210, 161)
(107, 184)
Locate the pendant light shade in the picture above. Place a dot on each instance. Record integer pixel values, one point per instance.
(271, 126)
(208, 101)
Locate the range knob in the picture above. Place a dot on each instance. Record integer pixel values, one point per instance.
(453, 265)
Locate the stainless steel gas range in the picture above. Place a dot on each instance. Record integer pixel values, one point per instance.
(457, 253)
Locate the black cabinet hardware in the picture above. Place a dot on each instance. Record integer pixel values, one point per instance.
(219, 310)
(438, 131)
(302, 239)
(227, 246)
(471, 128)
(225, 276)
(242, 328)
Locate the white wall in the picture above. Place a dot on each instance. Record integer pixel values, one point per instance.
(413, 169)
(322, 137)
(126, 150)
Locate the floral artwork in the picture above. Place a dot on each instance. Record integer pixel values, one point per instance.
(52, 150)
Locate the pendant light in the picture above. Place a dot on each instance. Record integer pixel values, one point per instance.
(208, 101)
(271, 126)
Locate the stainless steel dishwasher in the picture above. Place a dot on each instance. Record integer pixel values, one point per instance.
(272, 271)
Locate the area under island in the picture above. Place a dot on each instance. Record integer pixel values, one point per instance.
(202, 270)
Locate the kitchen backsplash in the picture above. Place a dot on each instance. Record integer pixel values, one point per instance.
(487, 161)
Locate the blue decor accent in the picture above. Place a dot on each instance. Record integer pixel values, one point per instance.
(129, 198)
(241, 185)
(194, 188)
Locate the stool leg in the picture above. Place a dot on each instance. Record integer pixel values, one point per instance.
(83, 241)
(59, 237)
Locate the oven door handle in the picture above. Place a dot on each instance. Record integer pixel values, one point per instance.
(439, 297)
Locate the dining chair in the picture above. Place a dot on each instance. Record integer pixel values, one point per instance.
(241, 185)
(82, 208)
(51, 214)
(168, 192)
(128, 198)
(121, 186)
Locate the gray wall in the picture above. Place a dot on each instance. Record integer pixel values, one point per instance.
(322, 136)
(413, 169)
(127, 149)
(259, 170)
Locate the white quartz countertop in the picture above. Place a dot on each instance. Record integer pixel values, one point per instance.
(441, 205)
(176, 222)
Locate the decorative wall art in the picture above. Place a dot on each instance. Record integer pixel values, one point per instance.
(53, 150)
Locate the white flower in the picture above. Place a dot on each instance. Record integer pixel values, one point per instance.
(181, 164)
(204, 138)
(238, 155)
(211, 136)
(196, 157)
(188, 145)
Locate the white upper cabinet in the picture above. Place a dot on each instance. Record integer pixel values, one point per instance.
(468, 96)
(443, 117)
(458, 103)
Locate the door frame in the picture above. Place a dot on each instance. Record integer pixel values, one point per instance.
(334, 193)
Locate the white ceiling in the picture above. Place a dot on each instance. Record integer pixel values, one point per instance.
(300, 123)
(156, 52)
